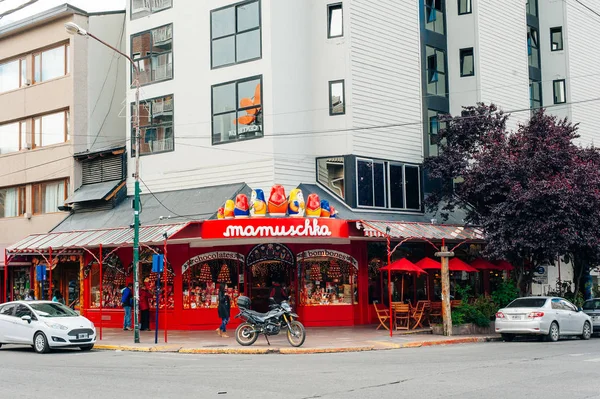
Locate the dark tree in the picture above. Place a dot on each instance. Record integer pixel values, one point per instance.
(534, 191)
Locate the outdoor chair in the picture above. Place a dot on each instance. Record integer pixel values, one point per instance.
(455, 303)
(419, 313)
(436, 311)
(401, 316)
(383, 315)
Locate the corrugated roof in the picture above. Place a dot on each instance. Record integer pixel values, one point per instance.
(93, 238)
(93, 192)
(373, 228)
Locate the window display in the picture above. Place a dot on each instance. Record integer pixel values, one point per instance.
(201, 283)
(114, 278)
(149, 280)
(328, 282)
(21, 282)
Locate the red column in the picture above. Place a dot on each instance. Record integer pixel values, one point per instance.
(101, 289)
(5, 284)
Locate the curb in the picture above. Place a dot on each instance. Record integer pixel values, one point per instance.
(295, 351)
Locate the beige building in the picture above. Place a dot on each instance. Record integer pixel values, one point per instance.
(60, 96)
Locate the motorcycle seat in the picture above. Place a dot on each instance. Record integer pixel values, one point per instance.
(258, 315)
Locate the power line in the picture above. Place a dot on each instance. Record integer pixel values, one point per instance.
(586, 6)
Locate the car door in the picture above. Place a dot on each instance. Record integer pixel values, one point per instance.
(7, 323)
(24, 330)
(561, 315)
(575, 319)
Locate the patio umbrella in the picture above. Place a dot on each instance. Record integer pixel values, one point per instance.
(455, 265)
(482, 264)
(403, 265)
(504, 265)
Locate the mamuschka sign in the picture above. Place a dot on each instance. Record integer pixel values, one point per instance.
(275, 228)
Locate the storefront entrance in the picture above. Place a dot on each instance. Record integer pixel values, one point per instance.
(65, 278)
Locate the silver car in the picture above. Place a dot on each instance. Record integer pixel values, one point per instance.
(592, 308)
(549, 317)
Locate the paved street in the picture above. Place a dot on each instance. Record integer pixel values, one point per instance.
(568, 369)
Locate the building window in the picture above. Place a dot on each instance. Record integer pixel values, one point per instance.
(434, 16)
(533, 48)
(152, 52)
(141, 8)
(465, 7)
(433, 128)
(12, 201)
(560, 92)
(556, 39)
(237, 110)
(382, 184)
(467, 63)
(535, 94)
(235, 34)
(436, 71)
(48, 196)
(337, 103)
(330, 173)
(13, 74)
(335, 20)
(50, 129)
(156, 126)
(531, 7)
(51, 64)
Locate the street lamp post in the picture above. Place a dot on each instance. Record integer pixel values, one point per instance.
(74, 29)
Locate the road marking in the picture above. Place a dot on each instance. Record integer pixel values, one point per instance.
(596, 360)
(577, 354)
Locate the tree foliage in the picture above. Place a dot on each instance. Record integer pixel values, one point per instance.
(535, 192)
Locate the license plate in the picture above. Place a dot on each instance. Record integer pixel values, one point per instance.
(83, 336)
(516, 317)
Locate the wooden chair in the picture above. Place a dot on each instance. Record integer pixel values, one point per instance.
(455, 303)
(401, 316)
(383, 315)
(419, 313)
(436, 311)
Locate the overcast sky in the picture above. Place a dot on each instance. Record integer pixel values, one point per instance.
(42, 5)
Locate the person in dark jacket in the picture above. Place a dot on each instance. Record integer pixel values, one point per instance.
(224, 311)
(145, 296)
(127, 303)
(278, 293)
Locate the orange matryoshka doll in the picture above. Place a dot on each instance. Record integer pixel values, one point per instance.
(277, 201)
(221, 213)
(229, 209)
(313, 206)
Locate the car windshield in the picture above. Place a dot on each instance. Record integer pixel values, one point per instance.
(593, 304)
(53, 310)
(527, 303)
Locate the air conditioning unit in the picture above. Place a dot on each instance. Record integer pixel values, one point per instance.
(27, 215)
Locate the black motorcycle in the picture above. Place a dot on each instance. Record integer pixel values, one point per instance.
(280, 317)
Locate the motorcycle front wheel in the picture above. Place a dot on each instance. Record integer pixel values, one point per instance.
(245, 334)
(296, 334)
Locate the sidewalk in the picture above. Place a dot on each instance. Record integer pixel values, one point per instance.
(318, 340)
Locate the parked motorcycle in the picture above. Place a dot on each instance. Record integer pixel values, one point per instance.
(280, 317)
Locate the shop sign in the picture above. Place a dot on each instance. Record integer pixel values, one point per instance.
(329, 253)
(275, 228)
(218, 255)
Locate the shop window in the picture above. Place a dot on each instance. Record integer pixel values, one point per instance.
(560, 92)
(114, 279)
(51, 64)
(535, 94)
(556, 39)
(152, 52)
(21, 282)
(237, 110)
(51, 129)
(12, 201)
(337, 103)
(142, 8)
(467, 63)
(48, 196)
(236, 34)
(330, 173)
(436, 71)
(156, 126)
(533, 47)
(434, 16)
(13, 74)
(327, 282)
(201, 283)
(335, 20)
(465, 7)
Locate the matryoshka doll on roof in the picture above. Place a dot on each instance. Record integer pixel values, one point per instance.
(325, 209)
(242, 209)
(229, 209)
(258, 206)
(313, 206)
(296, 206)
(277, 201)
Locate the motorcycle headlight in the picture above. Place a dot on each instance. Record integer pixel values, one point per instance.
(56, 326)
(286, 307)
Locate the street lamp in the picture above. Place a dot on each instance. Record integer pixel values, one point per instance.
(75, 29)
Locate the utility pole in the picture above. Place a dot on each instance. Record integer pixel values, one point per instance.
(445, 256)
(73, 29)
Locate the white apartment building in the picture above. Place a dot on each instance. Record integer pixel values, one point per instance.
(60, 96)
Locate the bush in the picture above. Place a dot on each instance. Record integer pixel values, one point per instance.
(505, 294)
(485, 305)
(467, 313)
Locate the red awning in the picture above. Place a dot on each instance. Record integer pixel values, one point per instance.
(419, 230)
(403, 265)
(457, 265)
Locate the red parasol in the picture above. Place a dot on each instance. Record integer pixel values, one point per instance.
(503, 265)
(428, 263)
(457, 265)
(482, 264)
(403, 265)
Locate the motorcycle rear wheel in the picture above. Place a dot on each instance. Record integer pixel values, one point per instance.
(296, 334)
(245, 334)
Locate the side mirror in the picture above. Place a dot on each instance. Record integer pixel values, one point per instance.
(579, 309)
(26, 318)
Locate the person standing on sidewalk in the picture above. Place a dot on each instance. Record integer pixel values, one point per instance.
(127, 303)
(224, 311)
(145, 308)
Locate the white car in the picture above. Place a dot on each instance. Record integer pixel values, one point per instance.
(45, 325)
(549, 317)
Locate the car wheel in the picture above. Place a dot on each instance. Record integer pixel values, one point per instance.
(86, 348)
(587, 331)
(553, 332)
(508, 337)
(40, 343)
